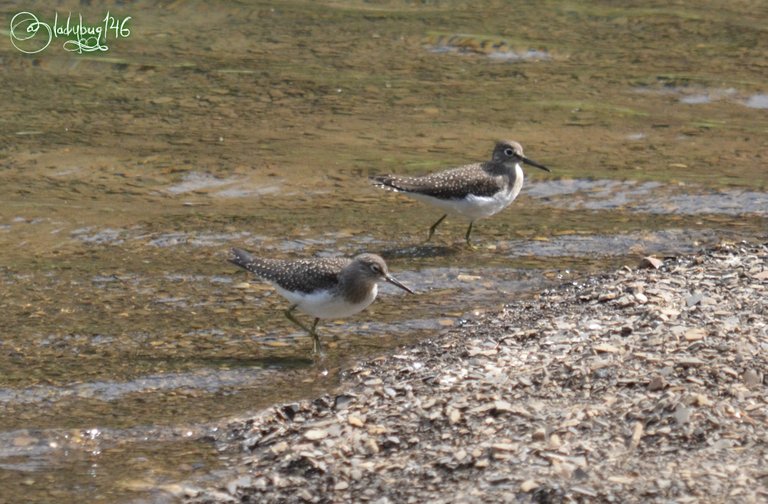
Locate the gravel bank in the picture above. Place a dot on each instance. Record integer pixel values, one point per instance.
(640, 385)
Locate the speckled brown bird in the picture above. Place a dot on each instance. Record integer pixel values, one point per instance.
(328, 288)
(473, 191)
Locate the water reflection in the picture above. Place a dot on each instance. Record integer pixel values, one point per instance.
(648, 197)
(758, 101)
(702, 96)
(670, 241)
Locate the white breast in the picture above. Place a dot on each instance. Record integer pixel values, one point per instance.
(322, 304)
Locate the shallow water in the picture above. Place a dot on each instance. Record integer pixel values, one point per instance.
(125, 177)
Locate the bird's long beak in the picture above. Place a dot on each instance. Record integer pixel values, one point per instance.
(534, 163)
(395, 281)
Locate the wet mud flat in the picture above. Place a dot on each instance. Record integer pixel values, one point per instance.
(647, 383)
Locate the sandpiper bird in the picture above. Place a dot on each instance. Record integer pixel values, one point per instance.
(333, 287)
(473, 191)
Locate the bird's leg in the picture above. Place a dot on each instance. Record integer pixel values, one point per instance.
(289, 316)
(316, 347)
(312, 332)
(469, 231)
(434, 226)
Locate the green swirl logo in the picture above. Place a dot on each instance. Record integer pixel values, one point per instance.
(25, 28)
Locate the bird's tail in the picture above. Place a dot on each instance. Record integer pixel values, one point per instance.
(240, 257)
(390, 182)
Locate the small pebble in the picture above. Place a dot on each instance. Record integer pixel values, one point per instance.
(316, 434)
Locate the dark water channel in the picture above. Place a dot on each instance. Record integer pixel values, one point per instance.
(125, 175)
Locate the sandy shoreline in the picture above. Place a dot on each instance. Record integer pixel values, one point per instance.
(638, 385)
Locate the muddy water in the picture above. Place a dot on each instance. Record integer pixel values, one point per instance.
(125, 336)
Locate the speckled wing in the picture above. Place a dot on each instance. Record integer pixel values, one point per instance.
(300, 275)
(456, 183)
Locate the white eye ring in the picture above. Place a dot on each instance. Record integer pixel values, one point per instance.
(509, 152)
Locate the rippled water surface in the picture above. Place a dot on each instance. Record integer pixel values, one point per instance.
(126, 175)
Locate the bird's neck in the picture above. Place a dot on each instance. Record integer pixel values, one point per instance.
(356, 289)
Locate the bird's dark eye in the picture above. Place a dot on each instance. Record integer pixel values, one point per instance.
(376, 268)
(509, 152)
